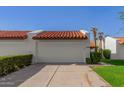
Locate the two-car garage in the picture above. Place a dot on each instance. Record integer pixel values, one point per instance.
(61, 47)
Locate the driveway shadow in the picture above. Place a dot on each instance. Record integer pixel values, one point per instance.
(16, 78)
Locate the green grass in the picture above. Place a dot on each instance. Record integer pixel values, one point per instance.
(112, 74)
(113, 62)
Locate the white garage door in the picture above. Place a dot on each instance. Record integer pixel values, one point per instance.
(56, 51)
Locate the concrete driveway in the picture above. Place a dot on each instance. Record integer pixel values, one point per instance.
(65, 75)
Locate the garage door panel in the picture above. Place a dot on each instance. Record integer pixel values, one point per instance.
(56, 53)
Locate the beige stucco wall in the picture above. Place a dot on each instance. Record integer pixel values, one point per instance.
(14, 47)
(120, 51)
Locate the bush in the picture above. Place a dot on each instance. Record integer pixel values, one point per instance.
(14, 63)
(88, 61)
(105, 60)
(95, 57)
(107, 53)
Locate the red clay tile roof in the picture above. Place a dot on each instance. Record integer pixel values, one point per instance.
(13, 34)
(120, 39)
(52, 35)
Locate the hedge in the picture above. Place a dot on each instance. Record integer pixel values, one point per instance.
(13, 63)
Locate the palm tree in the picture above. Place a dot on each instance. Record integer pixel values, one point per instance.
(101, 40)
(94, 30)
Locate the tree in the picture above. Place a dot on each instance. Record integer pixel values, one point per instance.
(101, 38)
(94, 30)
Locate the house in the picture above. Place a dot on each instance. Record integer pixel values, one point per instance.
(13, 42)
(116, 45)
(47, 46)
(62, 46)
(92, 46)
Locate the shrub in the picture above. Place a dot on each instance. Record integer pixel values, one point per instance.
(95, 57)
(13, 63)
(88, 61)
(107, 53)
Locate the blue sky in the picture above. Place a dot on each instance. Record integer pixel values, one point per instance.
(106, 19)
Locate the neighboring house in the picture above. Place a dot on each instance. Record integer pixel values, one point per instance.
(116, 45)
(13, 42)
(46, 46)
(92, 46)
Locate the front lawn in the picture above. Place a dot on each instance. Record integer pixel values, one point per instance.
(112, 74)
(113, 62)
